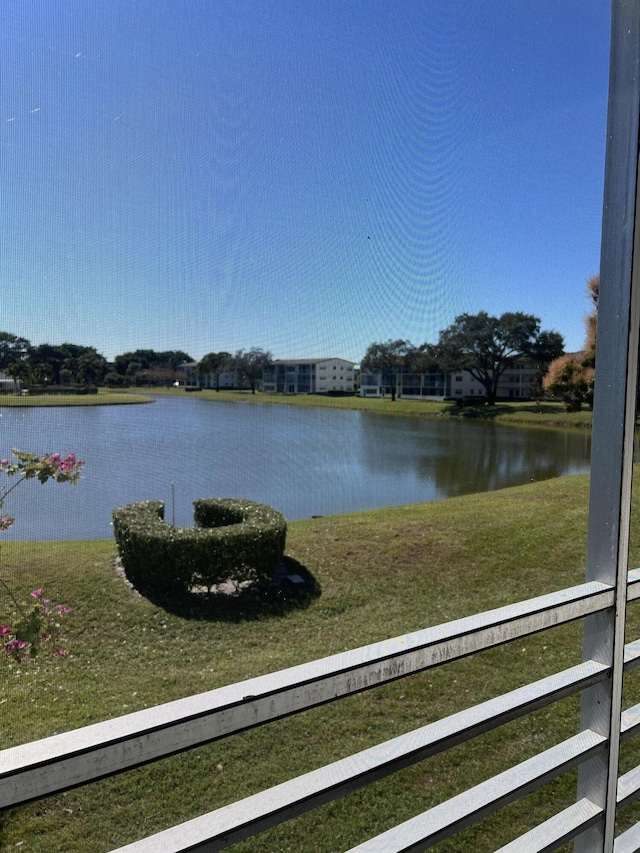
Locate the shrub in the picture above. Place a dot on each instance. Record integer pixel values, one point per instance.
(116, 380)
(50, 390)
(571, 379)
(233, 540)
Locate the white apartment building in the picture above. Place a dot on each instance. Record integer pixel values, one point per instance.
(309, 376)
(516, 383)
(7, 383)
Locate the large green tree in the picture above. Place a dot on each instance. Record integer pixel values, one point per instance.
(486, 346)
(21, 371)
(250, 365)
(91, 367)
(423, 359)
(214, 363)
(12, 349)
(388, 358)
(48, 360)
(66, 363)
(146, 366)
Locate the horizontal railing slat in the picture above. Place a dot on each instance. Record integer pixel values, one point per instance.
(628, 787)
(630, 722)
(631, 655)
(559, 829)
(633, 584)
(74, 758)
(629, 841)
(467, 808)
(230, 824)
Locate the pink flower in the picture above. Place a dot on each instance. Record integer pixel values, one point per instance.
(41, 617)
(69, 463)
(60, 652)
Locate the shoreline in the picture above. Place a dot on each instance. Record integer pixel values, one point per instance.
(544, 415)
(104, 397)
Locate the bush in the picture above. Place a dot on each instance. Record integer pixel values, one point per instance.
(62, 389)
(233, 540)
(116, 380)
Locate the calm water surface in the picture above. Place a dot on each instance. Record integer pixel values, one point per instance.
(304, 462)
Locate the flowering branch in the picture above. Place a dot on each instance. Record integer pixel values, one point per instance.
(12, 596)
(37, 622)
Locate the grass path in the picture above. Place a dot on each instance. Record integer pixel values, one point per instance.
(382, 573)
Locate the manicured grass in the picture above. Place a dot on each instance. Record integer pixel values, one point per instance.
(382, 573)
(104, 397)
(549, 415)
(528, 413)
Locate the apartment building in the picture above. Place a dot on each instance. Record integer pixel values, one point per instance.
(516, 383)
(309, 376)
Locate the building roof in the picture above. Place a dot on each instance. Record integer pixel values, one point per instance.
(310, 360)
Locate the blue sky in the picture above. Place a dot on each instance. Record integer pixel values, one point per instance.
(306, 178)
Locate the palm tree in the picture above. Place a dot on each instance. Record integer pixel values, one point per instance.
(20, 371)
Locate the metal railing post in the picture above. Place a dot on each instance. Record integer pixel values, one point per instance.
(613, 418)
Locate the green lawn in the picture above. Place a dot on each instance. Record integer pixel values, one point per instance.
(528, 413)
(381, 574)
(104, 397)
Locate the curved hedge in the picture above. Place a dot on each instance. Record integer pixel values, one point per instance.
(233, 539)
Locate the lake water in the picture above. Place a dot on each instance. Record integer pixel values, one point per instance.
(303, 462)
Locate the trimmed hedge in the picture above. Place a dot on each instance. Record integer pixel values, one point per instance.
(233, 540)
(50, 390)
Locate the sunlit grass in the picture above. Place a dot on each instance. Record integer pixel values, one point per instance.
(382, 573)
(544, 414)
(104, 397)
(526, 413)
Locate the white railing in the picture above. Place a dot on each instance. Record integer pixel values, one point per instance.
(82, 756)
(64, 761)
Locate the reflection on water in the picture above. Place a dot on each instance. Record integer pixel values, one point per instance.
(471, 456)
(303, 462)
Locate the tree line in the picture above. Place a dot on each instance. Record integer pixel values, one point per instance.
(75, 365)
(247, 365)
(484, 345)
(46, 364)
